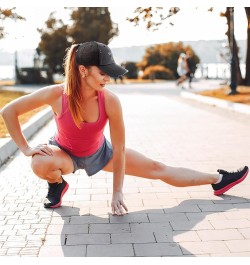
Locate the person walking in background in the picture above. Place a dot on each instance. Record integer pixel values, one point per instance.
(182, 69)
(82, 106)
(189, 65)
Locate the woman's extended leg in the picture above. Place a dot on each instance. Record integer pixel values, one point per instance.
(142, 166)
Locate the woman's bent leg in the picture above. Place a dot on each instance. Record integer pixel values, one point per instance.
(142, 166)
(51, 168)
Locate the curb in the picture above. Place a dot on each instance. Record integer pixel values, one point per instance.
(238, 107)
(7, 145)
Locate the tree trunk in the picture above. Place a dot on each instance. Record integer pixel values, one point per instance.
(247, 74)
(239, 75)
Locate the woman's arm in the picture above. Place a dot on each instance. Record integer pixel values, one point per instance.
(19, 106)
(117, 134)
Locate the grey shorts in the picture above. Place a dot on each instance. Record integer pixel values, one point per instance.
(93, 163)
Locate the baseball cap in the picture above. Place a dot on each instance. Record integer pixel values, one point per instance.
(94, 53)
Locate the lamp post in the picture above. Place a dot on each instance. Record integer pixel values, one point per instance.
(233, 83)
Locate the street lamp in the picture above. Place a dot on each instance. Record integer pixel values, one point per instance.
(233, 83)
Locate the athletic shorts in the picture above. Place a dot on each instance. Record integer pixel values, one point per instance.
(93, 163)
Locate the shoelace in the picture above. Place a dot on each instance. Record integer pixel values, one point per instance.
(221, 171)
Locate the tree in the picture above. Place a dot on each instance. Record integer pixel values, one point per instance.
(92, 24)
(154, 17)
(89, 23)
(226, 14)
(165, 55)
(8, 13)
(54, 42)
(247, 74)
(132, 70)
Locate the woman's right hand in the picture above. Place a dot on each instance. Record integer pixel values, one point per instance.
(41, 149)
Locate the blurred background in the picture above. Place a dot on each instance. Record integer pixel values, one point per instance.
(146, 40)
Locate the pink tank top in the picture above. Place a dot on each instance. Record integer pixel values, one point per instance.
(86, 140)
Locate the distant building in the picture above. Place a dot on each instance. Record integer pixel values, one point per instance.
(33, 75)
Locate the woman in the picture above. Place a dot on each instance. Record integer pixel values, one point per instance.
(82, 106)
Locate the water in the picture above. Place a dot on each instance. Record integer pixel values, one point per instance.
(219, 70)
(7, 72)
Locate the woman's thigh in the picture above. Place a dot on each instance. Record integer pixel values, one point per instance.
(60, 160)
(139, 165)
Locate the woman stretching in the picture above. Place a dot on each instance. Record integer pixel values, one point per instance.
(82, 106)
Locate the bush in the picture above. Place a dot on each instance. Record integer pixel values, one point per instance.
(158, 72)
(132, 70)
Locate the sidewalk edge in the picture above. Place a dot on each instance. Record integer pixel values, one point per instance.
(8, 148)
(238, 107)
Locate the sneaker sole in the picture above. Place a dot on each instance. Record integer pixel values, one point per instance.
(60, 202)
(226, 188)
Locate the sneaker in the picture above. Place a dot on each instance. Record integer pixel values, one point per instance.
(55, 194)
(229, 179)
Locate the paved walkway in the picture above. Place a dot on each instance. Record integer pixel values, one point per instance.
(162, 220)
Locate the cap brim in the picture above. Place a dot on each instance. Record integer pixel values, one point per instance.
(113, 70)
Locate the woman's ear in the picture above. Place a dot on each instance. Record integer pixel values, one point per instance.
(83, 71)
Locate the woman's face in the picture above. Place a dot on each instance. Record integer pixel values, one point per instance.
(95, 78)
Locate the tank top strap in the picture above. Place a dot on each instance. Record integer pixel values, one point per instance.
(101, 98)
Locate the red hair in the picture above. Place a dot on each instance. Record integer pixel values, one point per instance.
(73, 83)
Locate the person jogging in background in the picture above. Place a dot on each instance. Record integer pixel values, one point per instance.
(182, 69)
(190, 70)
(82, 106)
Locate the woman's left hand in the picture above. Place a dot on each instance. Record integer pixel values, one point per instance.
(118, 206)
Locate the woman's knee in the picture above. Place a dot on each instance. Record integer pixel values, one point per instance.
(157, 168)
(41, 165)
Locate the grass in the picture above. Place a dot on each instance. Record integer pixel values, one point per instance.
(6, 97)
(222, 93)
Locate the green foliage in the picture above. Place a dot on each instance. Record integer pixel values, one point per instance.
(166, 55)
(132, 70)
(53, 44)
(88, 24)
(92, 24)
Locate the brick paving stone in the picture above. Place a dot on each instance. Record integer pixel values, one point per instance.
(88, 239)
(207, 248)
(150, 227)
(145, 237)
(62, 251)
(89, 219)
(176, 236)
(167, 217)
(157, 249)
(221, 234)
(130, 218)
(226, 224)
(245, 232)
(190, 225)
(119, 250)
(66, 229)
(109, 228)
(238, 245)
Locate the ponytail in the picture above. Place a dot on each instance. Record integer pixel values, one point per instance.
(72, 80)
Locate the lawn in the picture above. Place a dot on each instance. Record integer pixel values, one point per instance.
(222, 93)
(7, 96)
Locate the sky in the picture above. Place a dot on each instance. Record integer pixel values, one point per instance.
(190, 24)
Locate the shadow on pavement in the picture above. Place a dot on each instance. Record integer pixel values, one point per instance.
(142, 233)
